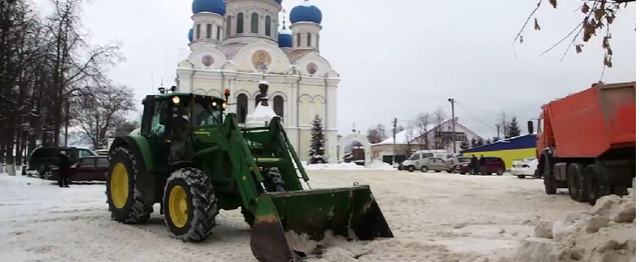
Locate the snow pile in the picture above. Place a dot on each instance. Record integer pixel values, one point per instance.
(376, 165)
(260, 117)
(604, 234)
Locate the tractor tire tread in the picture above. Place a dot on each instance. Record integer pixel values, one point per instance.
(204, 203)
(275, 178)
(140, 213)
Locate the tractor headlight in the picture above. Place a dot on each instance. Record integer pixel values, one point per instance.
(224, 105)
(214, 104)
(176, 100)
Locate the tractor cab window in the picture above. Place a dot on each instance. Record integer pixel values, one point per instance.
(205, 114)
(156, 127)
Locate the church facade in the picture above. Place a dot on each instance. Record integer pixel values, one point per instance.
(235, 44)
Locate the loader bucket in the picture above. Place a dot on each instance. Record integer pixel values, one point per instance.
(287, 223)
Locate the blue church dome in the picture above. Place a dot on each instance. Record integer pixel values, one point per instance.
(306, 12)
(211, 6)
(284, 38)
(190, 35)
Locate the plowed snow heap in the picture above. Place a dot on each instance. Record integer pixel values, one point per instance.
(604, 234)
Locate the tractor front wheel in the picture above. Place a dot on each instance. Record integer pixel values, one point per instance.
(190, 205)
(275, 184)
(125, 200)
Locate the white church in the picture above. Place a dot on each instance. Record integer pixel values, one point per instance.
(235, 44)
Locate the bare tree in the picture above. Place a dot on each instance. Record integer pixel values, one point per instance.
(377, 134)
(502, 125)
(409, 136)
(439, 139)
(598, 16)
(423, 124)
(102, 110)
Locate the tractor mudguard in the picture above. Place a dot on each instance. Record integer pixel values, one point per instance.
(287, 224)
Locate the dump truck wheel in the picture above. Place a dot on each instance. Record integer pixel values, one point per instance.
(591, 184)
(190, 205)
(574, 182)
(549, 181)
(126, 202)
(275, 178)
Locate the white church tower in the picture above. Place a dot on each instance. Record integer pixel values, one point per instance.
(236, 44)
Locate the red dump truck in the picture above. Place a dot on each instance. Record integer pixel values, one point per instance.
(586, 142)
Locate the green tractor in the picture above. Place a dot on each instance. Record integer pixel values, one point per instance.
(194, 159)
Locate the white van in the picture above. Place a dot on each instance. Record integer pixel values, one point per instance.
(426, 160)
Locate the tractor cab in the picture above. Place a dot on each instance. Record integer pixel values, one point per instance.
(184, 113)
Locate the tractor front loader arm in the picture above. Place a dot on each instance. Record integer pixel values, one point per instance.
(245, 170)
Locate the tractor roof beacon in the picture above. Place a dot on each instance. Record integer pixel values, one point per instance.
(193, 158)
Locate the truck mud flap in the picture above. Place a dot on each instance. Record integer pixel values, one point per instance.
(291, 225)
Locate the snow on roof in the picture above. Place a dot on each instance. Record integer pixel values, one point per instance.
(402, 136)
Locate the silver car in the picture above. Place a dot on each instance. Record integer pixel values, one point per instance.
(454, 163)
(425, 164)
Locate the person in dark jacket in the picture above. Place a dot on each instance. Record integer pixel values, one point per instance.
(474, 165)
(483, 163)
(63, 168)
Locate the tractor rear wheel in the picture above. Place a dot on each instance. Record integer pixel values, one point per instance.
(126, 202)
(275, 181)
(190, 205)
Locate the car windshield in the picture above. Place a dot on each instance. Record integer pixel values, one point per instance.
(415, 156)
(204, 114)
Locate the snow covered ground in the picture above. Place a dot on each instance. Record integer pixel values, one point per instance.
(434, 216)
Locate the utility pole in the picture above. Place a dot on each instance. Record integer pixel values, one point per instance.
(498, 129)
(453, 118)
(393, 149)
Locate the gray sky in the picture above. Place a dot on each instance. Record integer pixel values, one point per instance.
(401, 57)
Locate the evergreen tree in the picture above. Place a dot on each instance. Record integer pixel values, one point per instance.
(317, 150)
(474, 142)
(480, 142)
(464, 144)
(513, 129)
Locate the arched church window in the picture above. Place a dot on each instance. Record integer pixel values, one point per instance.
(318, 42)
(254, 22)
(298, 41)
(209, 30)
(267, 25)
(228, 33)
(278, 106)
(218, 32)
(308, 39)
(241, 107)
(198, 28)
(240, 23)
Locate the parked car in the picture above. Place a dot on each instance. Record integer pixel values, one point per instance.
(92, 168)
(418, 160)
(455, 162)
(523, 169)
(493, 165)
(43, 159)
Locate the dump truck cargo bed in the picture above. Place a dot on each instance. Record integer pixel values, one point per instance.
(593, 121)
